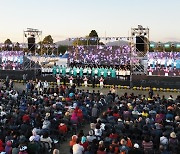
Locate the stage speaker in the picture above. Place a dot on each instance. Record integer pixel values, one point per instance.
(31, 44)
(141, 44)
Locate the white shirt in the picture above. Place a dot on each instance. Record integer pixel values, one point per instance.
(96, 71)
(109, 72)
(78, 70)
(128, 72)
(89, 71)
(98, 132)
(46, 84)
(67, 70)
(90, 138)
(43, 69)
(50, 70)
(85, 70)
(49, 140)
(163, 62)
(78, 149)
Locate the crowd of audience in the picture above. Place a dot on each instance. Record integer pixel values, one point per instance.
(135, 124)
(37, 119)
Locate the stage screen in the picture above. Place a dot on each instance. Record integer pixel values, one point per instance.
(100, 55)
(163, 64)
(11, 59)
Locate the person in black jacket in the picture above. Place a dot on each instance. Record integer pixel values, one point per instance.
(136, 150)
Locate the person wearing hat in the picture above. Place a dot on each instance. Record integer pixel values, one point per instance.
(91, 136)
(136, 149)
(173, 142)
(33, 146)
(23, 150)
(84, 142)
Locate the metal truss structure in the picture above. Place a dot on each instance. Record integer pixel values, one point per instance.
(139, 60)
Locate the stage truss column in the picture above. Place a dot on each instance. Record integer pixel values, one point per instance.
(32, 37)
(37, 35)
(139, 49)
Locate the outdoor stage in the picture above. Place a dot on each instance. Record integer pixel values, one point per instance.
(18, 74)
(137, 80)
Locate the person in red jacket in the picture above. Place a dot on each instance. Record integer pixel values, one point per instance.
(1, 146)
(84, 143)
(62, 128)
(113, 135)
(80, 115)
(26, 118)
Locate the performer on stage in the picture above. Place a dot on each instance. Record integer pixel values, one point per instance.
(58, 79)
(14, 66)
(3, 66)
(150, 71)
(85, 81)
(166, 70)
(101, 80)
(71, 81)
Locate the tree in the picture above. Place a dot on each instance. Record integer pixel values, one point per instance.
(8, 42)
(44, 46)
(17, 46)
(93, 33)
(8, 45)
(93, 38)
(47, 40)
(80, 41)
(62, 49)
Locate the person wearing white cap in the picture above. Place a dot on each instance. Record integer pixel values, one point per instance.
(32, 145)
(136, 149)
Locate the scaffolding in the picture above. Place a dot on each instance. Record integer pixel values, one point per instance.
(139, 57)
(29, 64)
